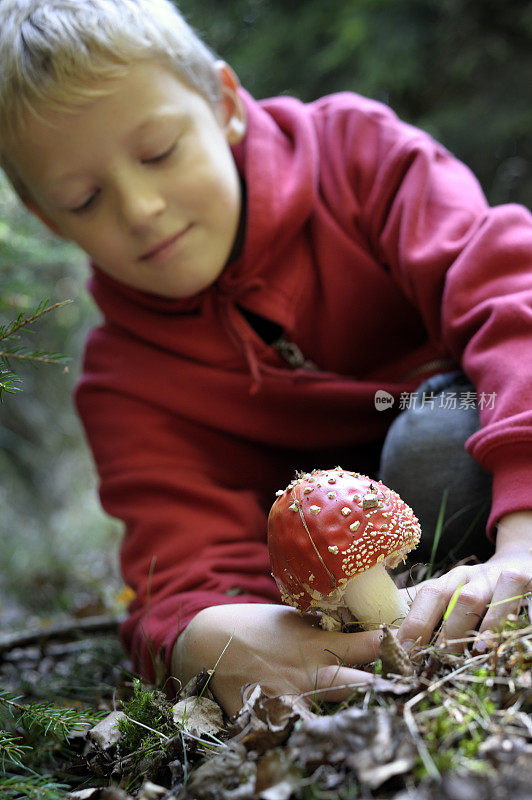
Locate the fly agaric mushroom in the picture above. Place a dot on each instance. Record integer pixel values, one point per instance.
(331, 536)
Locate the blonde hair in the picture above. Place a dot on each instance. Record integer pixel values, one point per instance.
(58, 53)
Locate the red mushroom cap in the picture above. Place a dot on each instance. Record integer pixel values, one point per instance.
(330, 525)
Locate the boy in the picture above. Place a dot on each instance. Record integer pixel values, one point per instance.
(223, 235)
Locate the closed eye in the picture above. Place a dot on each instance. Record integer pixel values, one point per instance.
(86, 205)
(160, 157)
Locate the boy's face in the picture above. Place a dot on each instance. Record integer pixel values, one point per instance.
(143, 179)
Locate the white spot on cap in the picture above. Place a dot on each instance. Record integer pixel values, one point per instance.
(331, 495)
(370, 501)
(346, 511)
(354, 526)
(294, 507)
(333, 549)
(315, 509)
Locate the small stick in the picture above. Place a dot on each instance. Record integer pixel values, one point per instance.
(61, 630)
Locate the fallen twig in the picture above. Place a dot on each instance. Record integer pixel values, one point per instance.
(69, 629)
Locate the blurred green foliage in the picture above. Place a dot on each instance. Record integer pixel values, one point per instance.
(54, 540)
(460, 69)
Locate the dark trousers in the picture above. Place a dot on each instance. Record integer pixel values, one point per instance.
(424, 460)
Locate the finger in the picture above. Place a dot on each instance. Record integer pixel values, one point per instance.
(337, 683)
(348, 649)
(409, 592)
(465, 616)
(507, 598)
(425, 613)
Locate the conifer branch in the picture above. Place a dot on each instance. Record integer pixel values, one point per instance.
(11, 749)
(37, 356)
(32, 787)
(41, 719)
(9, 330)
(10, 333)
(45, 718)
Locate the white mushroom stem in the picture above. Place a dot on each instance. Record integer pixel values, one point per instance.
(374, 599)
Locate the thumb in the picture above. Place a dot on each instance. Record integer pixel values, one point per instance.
(352, 648)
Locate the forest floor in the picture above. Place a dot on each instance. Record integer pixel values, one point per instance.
(77, 724)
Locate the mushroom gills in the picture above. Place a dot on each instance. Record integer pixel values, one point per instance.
(374, 599)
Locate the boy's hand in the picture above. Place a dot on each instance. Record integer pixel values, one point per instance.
(286, 652)
(498, 583)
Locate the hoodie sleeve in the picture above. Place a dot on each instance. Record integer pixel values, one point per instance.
(466, 267)
(193, 539)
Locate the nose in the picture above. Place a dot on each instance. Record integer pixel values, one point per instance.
(140, 201)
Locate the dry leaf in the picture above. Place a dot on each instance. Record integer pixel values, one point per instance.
(394, 658)
(101, 793)
(106, 733)
(199, 715)
(277, 776)
(228, 775)
(373, 744)
(263, 722)
(151, 791)
(197, 686)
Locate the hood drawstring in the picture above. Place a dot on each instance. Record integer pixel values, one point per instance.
(229, 292)
(254, 366)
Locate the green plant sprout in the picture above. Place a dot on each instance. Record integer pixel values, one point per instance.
(458, 712)
(455, 724)
(453, 601)
(437, 533)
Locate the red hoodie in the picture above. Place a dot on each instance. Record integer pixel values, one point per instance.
(375, 252)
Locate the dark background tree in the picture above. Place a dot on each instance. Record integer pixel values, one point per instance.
(460, 69)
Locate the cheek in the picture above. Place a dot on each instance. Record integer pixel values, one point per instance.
(97, 240)
(209, 183)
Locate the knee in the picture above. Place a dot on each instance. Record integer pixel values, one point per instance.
(430, 434)
(424, 459)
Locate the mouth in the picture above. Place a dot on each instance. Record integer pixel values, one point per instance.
(162, 249)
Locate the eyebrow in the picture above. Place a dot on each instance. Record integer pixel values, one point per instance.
(153, 119)
(177, 116)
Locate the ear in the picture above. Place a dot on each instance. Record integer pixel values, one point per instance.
(232, 111)
(32, 206)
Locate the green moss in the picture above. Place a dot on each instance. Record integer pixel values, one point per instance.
(149, 708)
(453, 739)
